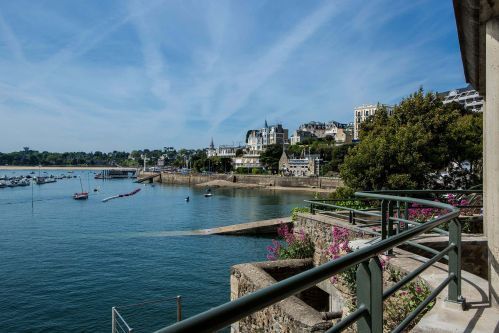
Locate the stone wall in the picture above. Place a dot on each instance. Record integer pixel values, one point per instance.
(263, 180)
(291, 315)
(474, 256)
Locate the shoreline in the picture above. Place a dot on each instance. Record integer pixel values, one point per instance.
(15, 167)
(227, 184)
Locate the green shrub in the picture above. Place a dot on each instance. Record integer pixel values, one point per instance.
(296, 210)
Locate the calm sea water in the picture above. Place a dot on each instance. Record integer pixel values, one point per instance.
(65, 263)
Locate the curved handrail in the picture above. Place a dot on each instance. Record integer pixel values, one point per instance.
(228, 313)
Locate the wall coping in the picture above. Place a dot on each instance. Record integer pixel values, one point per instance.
(300, 312)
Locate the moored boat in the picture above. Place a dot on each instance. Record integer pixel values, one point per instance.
(82, 195)
(40, 180)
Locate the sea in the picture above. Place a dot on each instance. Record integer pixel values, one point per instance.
(65, 263)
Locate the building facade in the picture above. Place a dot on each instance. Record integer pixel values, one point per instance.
(361, 113)
(299, 167)
(338, 131)
(467, 97)
(300, 135)
(248, 161)
(257, 140)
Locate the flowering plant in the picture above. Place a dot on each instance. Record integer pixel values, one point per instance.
(404, 301)
(339, 247)
(291, 246)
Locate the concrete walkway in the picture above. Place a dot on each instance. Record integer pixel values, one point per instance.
(264, 227)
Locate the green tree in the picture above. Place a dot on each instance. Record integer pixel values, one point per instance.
(270, 157)
(413, 147)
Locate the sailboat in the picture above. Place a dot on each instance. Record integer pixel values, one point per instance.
(82, 195)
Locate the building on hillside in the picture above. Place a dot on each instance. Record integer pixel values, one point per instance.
(333, 128)
(300, 135)
(211, 151)
(257, 140)
(361, 113)
(467, 97)
(317, 129)
(223, 151)
(344, 134)
(247, 161)
(304, 166)
(320, 130)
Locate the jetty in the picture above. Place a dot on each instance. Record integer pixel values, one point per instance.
(148, 177)
(264, 227)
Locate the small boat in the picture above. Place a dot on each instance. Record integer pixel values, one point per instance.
(23, 182)
(187, 199)
(208, 193)
(82, 195)
(40, 180)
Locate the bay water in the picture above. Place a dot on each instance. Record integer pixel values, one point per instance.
(65, 263)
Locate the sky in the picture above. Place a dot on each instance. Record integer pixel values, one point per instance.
(133, 74)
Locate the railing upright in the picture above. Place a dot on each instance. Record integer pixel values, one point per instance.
(384, 218)
(455, 261)
(370, 295)
(179, 308)
(406, 215)
(113, 320)
(390, 223)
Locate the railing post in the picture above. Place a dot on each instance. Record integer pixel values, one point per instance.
(312, 210)
(406, 215)
(179, 308)
(113, 320)
(455, 261)
(370, 294)
(384, 211)
(398, 216)
(390, 223)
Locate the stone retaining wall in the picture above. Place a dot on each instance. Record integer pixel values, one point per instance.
(263, 180)
(291, 315)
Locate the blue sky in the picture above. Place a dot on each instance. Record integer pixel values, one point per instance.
(122, 75)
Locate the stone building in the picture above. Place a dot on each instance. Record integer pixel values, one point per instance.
(338, 131)
(305, 166)
(361, 113)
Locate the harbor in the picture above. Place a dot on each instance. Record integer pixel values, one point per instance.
(94, 255)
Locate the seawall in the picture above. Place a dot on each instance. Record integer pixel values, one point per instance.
(328, 183)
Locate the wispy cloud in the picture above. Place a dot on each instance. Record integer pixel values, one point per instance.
(10, 39)
(125, 75)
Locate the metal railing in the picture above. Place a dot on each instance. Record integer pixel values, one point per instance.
(119, 324)
(370, 293)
